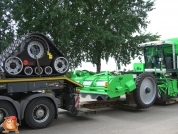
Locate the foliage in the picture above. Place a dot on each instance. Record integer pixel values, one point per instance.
(87, 30)
(108, 28)
(54, 18)
(130, 49)
(6, 24)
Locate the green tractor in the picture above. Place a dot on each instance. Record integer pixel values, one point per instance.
(161, 60)
(155, 79)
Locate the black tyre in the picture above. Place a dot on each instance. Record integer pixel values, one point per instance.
(39, 113)
(146, 91)
(6, 109)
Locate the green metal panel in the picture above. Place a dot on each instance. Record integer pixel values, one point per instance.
(175, 41)
(106, 84)
(168, 87)
(139, 67)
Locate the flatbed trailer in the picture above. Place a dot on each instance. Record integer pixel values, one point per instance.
(126, 103)
(20, 97)
(33, 63)
(23, 98)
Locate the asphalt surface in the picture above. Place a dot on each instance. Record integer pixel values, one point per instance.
(157, 119)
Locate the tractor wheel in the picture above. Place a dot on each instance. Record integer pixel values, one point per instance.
(146, 90)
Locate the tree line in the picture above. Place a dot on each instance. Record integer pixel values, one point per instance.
(84, 30)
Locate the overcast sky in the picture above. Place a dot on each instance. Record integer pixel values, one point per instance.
(164, 21)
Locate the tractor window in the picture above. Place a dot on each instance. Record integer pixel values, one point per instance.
(152, 55)
(168, 56)
(148, 52)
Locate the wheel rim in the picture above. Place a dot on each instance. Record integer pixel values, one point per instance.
(61, 65)
(13, 65)
(35, 48)
(148, 90)
(40, 113)
(28, 70)
(3, 114)
(38, 70)
(48, 70)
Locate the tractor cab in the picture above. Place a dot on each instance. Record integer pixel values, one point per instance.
(159, 56)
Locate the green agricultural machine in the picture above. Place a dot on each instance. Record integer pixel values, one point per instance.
(154, 79)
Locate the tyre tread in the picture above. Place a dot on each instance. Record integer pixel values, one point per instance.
(28, 118)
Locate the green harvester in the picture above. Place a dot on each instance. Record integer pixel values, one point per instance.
(154, 79)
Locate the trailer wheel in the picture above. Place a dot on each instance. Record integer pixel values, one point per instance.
(6, 109)
(146, 91)
(39, 113)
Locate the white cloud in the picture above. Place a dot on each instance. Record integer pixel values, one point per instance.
(163, 19)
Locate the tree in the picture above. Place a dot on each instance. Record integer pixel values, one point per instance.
(52, 17)
(6, 24)
(86, 30)
(108, 28)
(130, 49)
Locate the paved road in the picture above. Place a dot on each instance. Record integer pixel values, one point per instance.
(155, 120)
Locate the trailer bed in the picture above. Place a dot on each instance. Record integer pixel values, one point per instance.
(13, 85)
(121, 103)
